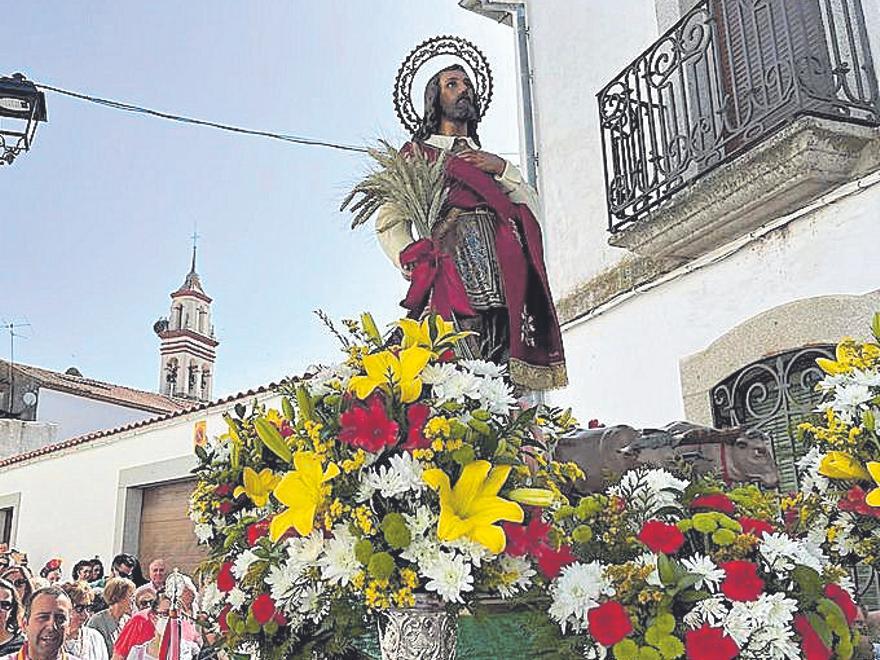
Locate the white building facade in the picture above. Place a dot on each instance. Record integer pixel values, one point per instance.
(737, 147)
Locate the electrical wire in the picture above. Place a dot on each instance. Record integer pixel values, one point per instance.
(128, 107)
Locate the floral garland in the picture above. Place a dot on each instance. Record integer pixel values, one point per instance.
(838, 504)
(667, 568)
(402, 471)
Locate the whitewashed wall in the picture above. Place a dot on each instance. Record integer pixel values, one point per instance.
(624, 363)
(77, 415)
(69, 500)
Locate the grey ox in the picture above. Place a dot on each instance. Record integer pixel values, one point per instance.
(736, 454)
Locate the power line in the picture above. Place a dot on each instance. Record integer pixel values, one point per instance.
(128, 107)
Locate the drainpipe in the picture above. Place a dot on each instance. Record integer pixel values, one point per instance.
(517, 11)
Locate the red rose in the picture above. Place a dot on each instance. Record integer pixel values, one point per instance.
(551, 561)
(225, 507)
(811, 644)
(223, 490)
(741, 582)
(221, 619)
(256, 531)
(661, 537)
(368, 427)
(279, 618)
(755, 527)
(225, 578)
(416, 416)
(714, 501)
(263, 608)
(844, 601)
(609, 623)
(707, 643)
(446, 356)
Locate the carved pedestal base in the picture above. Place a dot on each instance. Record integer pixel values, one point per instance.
(422, 632)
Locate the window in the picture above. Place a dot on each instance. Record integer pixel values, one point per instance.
(6, 524)
(774, 395)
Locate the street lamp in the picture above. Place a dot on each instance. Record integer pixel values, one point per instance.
(22, 105)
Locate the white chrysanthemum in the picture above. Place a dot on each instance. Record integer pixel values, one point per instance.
(710, 574)
(236, 598)
(305, 551)
(740, 623)
(774, 609)
(774, 643)
(848, 399)
(424, 547)
(649, 490)
(866, 378)
(402, 475)
(709, 610)
(449, 575)
(212, 598)
(808, 470)
(778, 551)
(496, 396)
(484, 368)
(242, 563)
(844, 542)
(438, 373)
(650, 559)
(311, 605)
(473, 551)
(327, 380)
(339, 563)
(420, 521)
(576, 591)
(517, 574)
(281, 580)
(810, 553)
(460, 385)
(203, 532)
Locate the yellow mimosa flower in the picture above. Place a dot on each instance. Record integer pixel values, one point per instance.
(397, 371)
(873, 498)
(471, 508)
(532, 496)
(258, 486)
(840, 465)
(303, 491)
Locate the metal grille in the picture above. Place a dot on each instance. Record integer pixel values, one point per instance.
(720, 81)
(773, 395)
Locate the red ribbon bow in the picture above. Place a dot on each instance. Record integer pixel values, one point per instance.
(434, 276)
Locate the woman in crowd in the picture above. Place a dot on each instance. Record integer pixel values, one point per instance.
(81, 641)
(21, 578)
(144, 597)
(11, 638)
(97, 569)
(118, 594)
(142, 628)
(51, 571)
(82, 571)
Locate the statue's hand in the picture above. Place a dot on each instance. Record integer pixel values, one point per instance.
(406, 270)
(485, 161)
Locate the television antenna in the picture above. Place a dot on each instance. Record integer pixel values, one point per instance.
(11, 327)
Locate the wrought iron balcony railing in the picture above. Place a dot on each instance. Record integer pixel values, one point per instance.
(728, 74)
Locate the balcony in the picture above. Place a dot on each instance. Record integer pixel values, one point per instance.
(742, 109)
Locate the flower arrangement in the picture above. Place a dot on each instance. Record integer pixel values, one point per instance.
(666, 568)
(401, 472)
(838, 504)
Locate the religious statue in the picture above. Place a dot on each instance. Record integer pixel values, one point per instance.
(482, 258)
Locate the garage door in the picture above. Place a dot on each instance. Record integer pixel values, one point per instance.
(166, 530)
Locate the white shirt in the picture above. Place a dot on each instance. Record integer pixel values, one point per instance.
(395, 233)
(88, 645)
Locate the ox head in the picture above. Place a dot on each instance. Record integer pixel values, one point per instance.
(749, 457)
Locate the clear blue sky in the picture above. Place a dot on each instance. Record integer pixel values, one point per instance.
(95, 220)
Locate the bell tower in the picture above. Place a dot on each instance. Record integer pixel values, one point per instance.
(187, 348)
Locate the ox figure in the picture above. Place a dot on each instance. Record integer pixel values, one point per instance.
(736, 454)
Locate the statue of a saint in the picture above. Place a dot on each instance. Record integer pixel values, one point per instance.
(489, 228)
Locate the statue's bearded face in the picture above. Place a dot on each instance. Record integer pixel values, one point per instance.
(457, 96)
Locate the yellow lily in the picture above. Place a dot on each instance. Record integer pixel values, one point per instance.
(258, 486)
(873, 498)
(419, 334)
(303, 490)
(397, 371)
(471, 508)
(840, 465)
(533, 496)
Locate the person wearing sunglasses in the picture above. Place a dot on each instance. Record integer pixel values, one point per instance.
(20, 578)
(11, 639)
(144, 597)
(81, 641)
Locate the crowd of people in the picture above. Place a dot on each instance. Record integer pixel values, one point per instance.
(93, 616)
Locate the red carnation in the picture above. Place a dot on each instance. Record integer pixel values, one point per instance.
(223, 490)
(715, 502)
(844, 601)
(755, 527)
(811, 644)
(609, 623)
(525, 539)
(263, 608)
(279, 618)
(221, 619)
(854, 501)
(256, 531)
(551, 561)
(225, 507)
(446, 356)
(661, 537)
(707, 643)
(416, 416)
(225, 578)
(368, 428)
(741, 582)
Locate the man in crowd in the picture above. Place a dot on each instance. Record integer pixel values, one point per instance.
(157, 574)
(45, 622)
